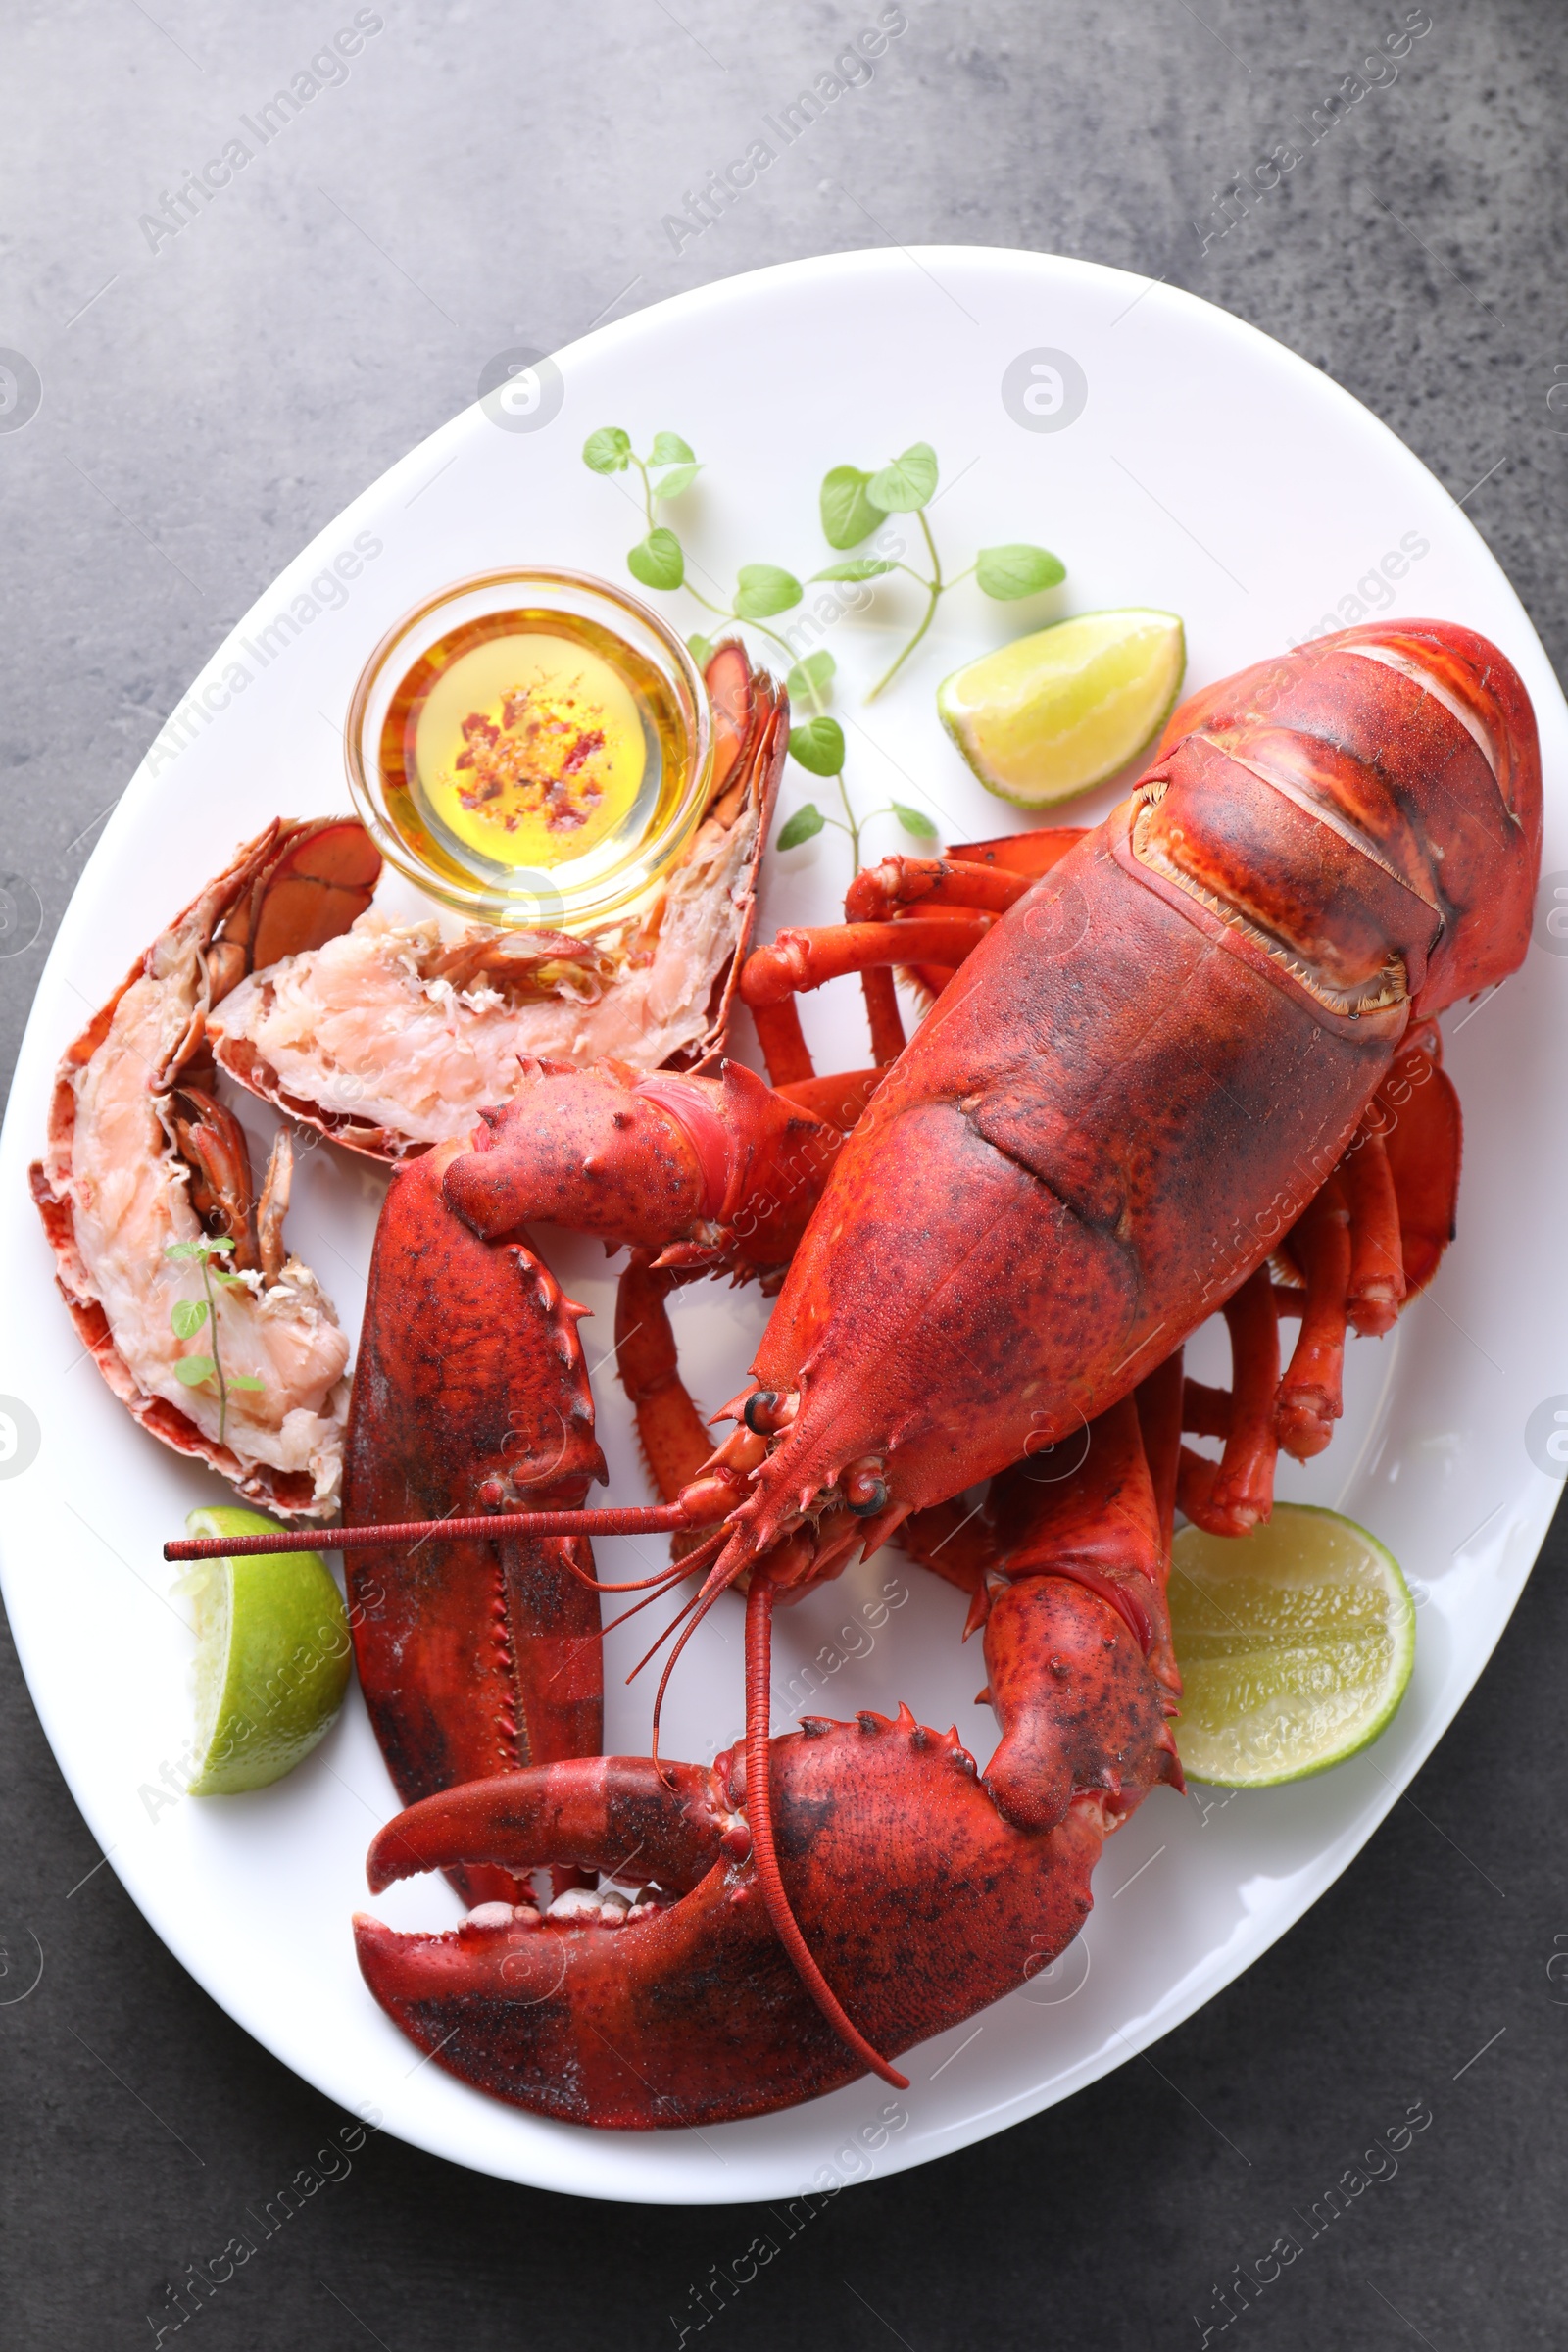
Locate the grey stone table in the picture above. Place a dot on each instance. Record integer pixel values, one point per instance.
(218, 373)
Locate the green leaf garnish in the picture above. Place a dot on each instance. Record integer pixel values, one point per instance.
(187, 1316)
(677, 480)
(907, 484)
(608, 450)
(245, 1380)
(849, 516)
(818, 745)
(814, 675)
(806, 820)
(1006, 572)
(864, 567)
(914, 820)
(853, 505)
(762, 589)
(658, 560)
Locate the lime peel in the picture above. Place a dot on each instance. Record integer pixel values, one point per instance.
(272, 1657)
(1054, 713)
(1296, 1645)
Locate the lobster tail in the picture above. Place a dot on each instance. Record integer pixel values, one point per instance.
(1416, 745)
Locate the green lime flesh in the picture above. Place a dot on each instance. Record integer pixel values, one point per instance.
(273, 1657)
(1053, 713)
(1295, 1645)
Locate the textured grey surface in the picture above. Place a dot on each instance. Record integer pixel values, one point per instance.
(488, 176)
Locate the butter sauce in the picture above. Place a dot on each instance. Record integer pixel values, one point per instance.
(527, 739)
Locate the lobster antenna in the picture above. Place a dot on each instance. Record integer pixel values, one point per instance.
(677, 1570)
(759, 1817)
(684, 1611)
(636, 1584)
(706, 1598)
(639, 1519)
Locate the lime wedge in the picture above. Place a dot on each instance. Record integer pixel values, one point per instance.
(1053, 713)
(1296, 1643)
(272, 1657)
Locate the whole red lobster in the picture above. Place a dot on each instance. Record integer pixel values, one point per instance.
(1161, 1062)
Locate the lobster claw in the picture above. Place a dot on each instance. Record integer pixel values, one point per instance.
(918, 1897)
(688, 2014)
(473, 1655)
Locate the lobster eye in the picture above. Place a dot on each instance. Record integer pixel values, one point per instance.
(769, 1410)
(865, 1488)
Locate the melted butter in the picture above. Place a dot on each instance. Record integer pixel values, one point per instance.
(530, 748)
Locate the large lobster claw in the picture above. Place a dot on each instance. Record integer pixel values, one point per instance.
(917, 1894)
(470, 1394)
(883, 1893)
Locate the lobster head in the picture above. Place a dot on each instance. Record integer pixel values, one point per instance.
(1411, 753)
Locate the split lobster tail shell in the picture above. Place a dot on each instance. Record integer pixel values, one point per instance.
(140, 1154)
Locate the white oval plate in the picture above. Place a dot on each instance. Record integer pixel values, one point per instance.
(1210, 472)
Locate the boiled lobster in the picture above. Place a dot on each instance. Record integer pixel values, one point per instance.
(1161, 1080)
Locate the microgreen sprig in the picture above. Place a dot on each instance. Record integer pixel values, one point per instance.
(854, 504)
(658, 560)
(819, 746)
(188, 1316)
(761, 592)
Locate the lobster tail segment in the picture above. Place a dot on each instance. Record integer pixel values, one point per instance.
(1415, 744)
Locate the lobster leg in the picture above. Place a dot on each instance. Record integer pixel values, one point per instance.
(881, 892)
(675, 1438)
(1017, 860)
(1033, 853)
(1375, 1290)
(972, 884)
(804, 959)
(1422, 1134)
(797, 961)
(1231, 1496)
(1367, 1244)
(1079, 1703)
(1311, 1396)
(783, 1041)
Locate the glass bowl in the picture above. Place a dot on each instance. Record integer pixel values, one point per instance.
(623, 866)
